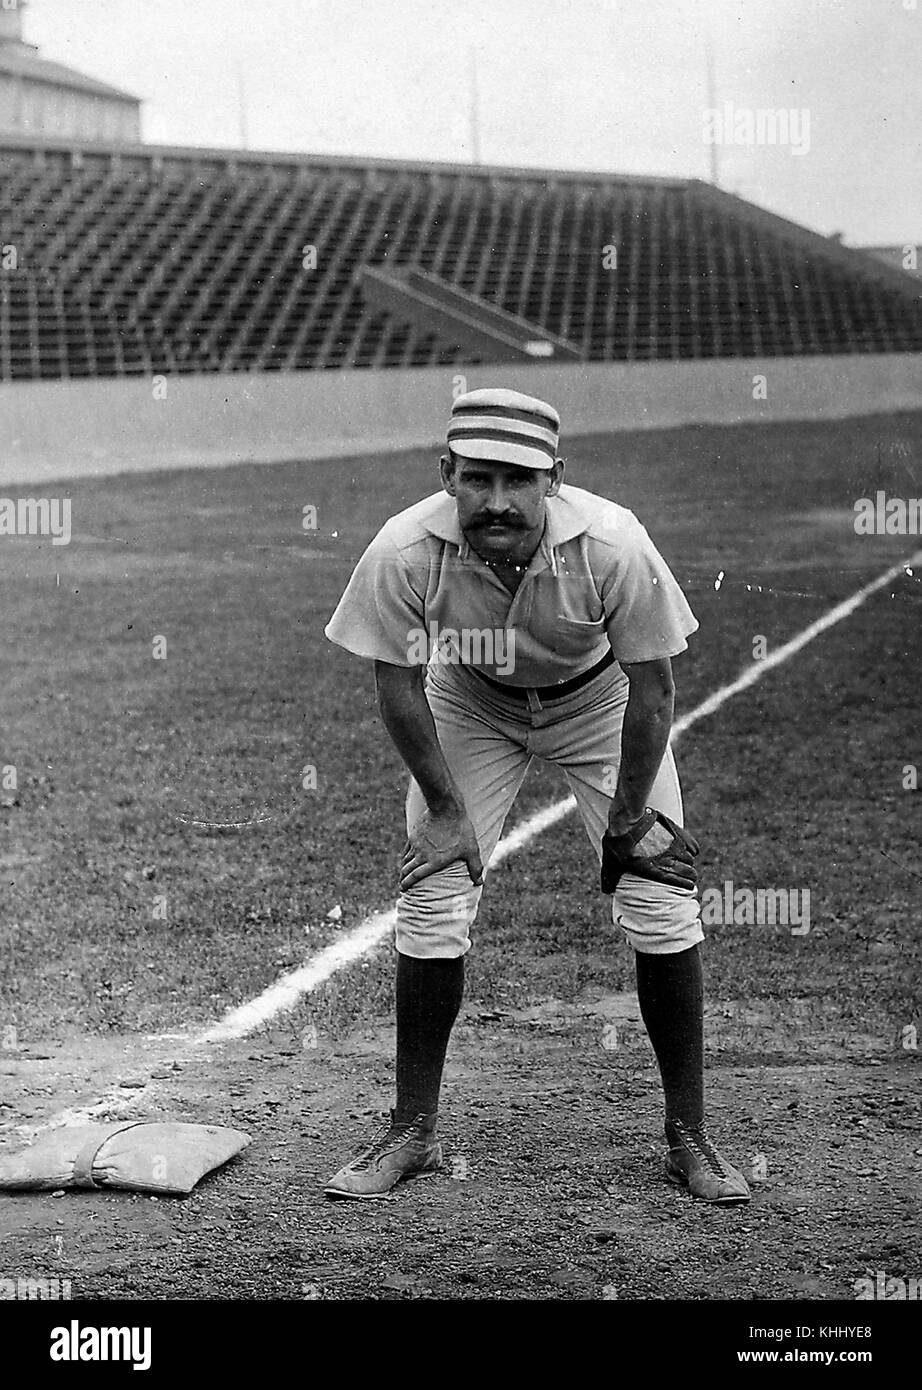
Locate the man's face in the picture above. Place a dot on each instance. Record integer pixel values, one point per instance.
(500, 505)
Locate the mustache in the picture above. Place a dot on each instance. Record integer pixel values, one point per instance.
(507, 519)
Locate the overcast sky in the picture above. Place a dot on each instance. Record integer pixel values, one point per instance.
(618, 85)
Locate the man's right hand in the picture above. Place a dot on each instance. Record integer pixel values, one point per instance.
(434, 842)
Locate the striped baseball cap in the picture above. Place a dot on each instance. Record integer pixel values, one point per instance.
(504, 425)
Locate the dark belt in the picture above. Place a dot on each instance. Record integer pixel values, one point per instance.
(549, 692)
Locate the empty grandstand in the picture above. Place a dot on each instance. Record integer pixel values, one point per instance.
(132, 260)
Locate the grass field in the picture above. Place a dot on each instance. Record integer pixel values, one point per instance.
(121, 758)
(162, 861)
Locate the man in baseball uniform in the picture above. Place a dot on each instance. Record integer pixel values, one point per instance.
(510, 617)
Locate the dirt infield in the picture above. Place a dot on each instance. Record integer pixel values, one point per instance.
(552, 1188)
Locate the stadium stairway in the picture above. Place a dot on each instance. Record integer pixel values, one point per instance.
(458, 319)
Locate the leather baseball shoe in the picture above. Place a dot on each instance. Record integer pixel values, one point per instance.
(695, 1162)
(397, 1151)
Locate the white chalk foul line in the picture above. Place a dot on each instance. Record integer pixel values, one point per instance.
(287, 991)
(768, 663)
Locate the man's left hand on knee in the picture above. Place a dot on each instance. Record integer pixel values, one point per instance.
(654, 847)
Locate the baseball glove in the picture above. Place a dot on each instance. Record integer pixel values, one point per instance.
(654, 847)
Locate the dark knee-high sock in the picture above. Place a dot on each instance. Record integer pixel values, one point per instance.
(428, 999)
(671, 995)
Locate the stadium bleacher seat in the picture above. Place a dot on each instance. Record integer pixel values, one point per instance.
(150, 260)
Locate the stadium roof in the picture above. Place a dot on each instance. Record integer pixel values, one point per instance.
(20, 60)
